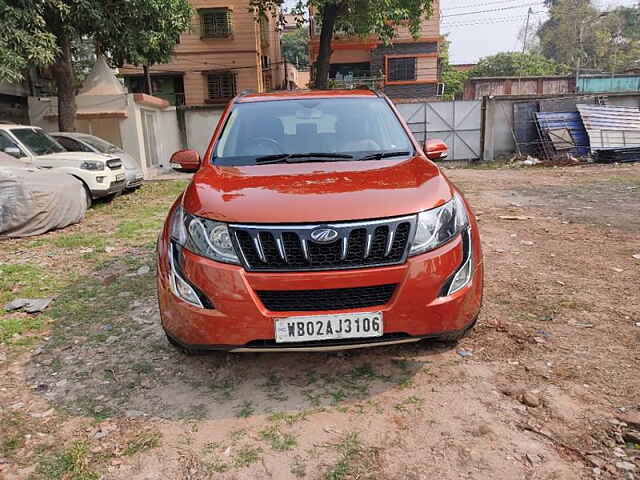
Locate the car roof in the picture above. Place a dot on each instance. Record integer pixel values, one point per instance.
(68, 134)
(303, 94)
(7, 126)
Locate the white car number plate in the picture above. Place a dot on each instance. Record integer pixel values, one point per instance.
(119, 177)
(329, 327)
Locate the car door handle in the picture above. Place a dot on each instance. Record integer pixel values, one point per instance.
(46, 166)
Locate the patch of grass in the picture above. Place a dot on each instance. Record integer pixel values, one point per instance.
(245, 409)
(80, 240)
(12, 325)
(14, 427)
(70, 464)
(144, 441)
(246, 456)
(355, 460)
(132, 229)
(278, 440)
(409, 403)
(26, 280)
(288, 418)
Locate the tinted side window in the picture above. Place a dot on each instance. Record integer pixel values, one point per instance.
(72, 145)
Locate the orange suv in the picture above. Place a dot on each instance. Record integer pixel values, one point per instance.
(315, 221)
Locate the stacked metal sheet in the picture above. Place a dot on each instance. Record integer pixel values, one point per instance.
(611, 127)
(562, 128)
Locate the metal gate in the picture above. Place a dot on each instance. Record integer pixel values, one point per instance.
(459, 124)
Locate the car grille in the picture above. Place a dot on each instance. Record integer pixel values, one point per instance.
(329, 299)
(114, 163)
(292, 248)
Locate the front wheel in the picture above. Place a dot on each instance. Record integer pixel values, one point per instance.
(87, 196)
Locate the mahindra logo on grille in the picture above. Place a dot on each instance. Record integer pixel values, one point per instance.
(324, 235)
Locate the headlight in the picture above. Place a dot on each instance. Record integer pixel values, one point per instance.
(92, 165)
(438, 226)
(203, 237)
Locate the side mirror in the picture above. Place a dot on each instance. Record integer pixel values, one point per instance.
(13, 151)
(436, 149)
(185, 161)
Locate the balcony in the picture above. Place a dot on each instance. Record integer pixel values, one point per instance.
(349, 82)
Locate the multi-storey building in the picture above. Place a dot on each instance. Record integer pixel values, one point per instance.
(406, 69)
(227, 50)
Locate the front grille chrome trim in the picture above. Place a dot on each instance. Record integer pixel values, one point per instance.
(290, 248)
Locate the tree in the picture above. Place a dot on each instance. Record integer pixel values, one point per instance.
(295, 47)
(24, 41)
(579, 35)
(353, 17)
(132, 31)
(508, 64)
(452, 79)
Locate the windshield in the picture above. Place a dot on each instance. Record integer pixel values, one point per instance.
(101, 145)
(37, 141)
(352, 127)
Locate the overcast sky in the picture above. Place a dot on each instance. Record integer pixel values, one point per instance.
(480, 34)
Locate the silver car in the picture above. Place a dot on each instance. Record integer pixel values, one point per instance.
(83, 142)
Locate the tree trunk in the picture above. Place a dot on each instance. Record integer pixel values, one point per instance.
(64, 78)
(329, 15)
(147, 79)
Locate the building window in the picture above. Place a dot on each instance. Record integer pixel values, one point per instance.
(265, 61)
(221, 85)
(401, 69)
(215, 23)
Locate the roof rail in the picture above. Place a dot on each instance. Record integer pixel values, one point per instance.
(364, 86)
(243, 93)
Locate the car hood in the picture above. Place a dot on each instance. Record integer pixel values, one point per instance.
(316, 192)
(80, 156)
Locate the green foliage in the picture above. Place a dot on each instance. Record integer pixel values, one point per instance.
(44, 32)
(354, 18)
(515, 64)
(453, 80)
(294, 47)
(578, 33)
(24, 40)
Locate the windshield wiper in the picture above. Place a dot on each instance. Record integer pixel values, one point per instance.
(301, 157)
(380, 155)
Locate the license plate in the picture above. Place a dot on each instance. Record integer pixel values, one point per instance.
(329, 327)
(119, 177)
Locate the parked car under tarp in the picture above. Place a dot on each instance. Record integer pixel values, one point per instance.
(34, 201)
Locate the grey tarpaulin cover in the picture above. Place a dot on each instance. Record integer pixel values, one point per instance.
(34, 201)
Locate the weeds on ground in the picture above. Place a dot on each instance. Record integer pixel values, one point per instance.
(245, 409)
(245, 456)
(144, 441)
(278, 440)
(71, 463)
(355, 460)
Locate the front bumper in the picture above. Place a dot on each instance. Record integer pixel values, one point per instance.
(134, 179)
(114, 187)
(241, 322)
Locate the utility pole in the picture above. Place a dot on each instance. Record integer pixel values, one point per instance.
(526, 31)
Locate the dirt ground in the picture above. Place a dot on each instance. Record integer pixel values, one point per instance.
(546, 386)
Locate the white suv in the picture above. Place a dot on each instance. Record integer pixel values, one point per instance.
(102, 175)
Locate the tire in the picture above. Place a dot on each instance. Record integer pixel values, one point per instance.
(87, 196)
(190, 352)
